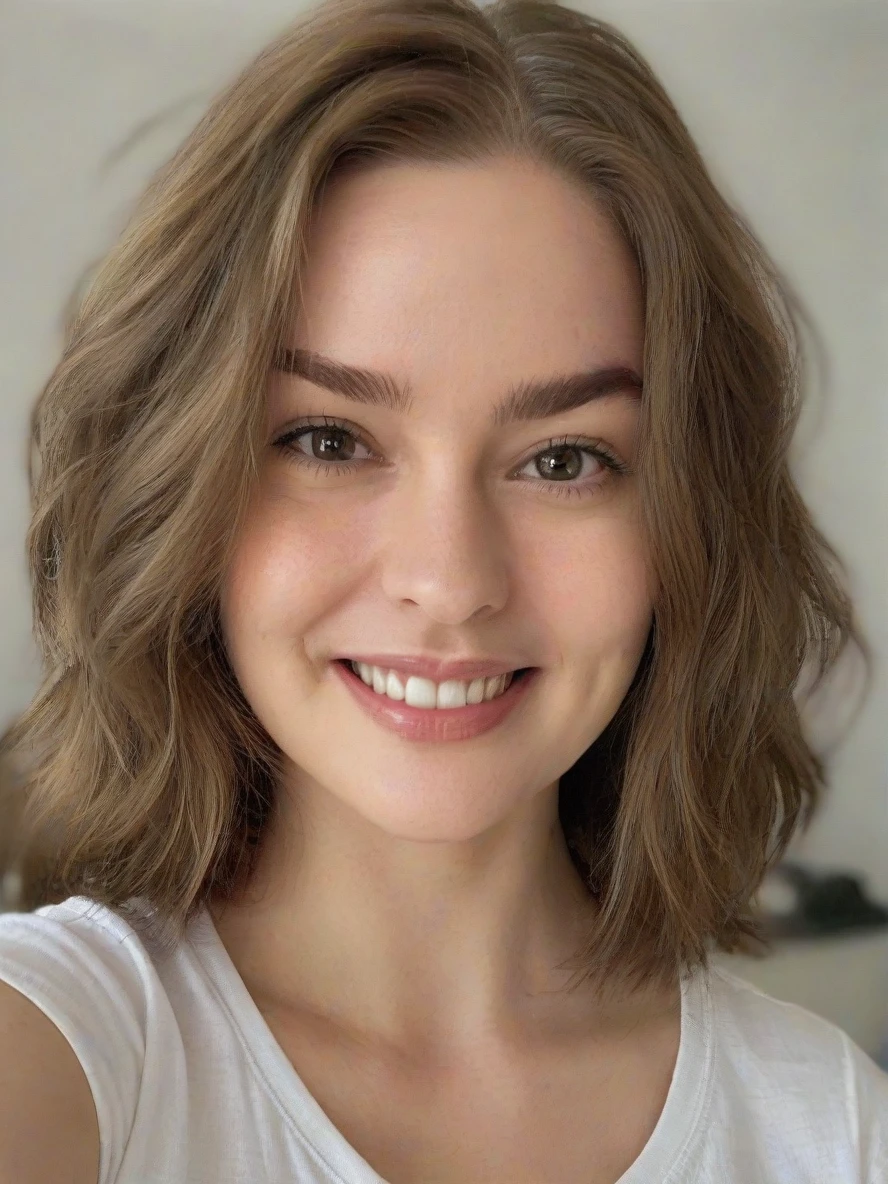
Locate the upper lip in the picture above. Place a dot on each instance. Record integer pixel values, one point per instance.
(437, 669)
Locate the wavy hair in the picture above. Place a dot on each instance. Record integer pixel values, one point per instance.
(140, 771)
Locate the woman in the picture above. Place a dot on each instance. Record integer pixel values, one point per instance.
(423, 590)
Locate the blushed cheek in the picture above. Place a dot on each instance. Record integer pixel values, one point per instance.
(300, 562)
(601, 604)
(293, 565)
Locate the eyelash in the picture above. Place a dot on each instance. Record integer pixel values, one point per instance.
(615, 466)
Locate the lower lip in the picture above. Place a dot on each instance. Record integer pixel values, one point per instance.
(448, 723)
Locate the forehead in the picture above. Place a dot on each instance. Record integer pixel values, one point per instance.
(468, 253)
(492, 273)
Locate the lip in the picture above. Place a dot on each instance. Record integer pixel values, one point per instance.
(446, 723)
(436, 669)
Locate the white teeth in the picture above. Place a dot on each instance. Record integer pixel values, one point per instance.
(422, 692)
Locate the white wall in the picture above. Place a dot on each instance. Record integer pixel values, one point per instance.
(788, 102)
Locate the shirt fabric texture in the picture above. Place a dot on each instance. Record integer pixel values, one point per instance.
(191, 1087)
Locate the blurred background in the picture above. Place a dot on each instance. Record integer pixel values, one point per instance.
(788, 100)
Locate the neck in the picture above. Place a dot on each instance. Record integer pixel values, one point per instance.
(430, 945)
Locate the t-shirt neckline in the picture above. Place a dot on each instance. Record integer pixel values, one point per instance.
(680, 1125)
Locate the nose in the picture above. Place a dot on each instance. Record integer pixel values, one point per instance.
(446, 552)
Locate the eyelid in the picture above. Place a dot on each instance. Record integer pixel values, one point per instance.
(564, 440)
(319, 421)
(614, 468)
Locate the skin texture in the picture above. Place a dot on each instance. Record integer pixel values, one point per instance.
(49, 1130)
(421, 896)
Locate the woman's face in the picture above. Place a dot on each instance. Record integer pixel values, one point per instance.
(438, 529)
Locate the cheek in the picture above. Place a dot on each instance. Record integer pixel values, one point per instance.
(595, 588)
(588, 584)
(289, 569)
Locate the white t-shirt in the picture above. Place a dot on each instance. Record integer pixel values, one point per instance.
(190, 1085)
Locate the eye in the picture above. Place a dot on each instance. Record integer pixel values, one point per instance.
(331, 442)
(563, 459)
(558, 464)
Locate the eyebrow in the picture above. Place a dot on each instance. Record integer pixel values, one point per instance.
(529, 400)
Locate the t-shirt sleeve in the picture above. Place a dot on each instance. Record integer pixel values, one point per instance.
(80, 973)
(866, 1087)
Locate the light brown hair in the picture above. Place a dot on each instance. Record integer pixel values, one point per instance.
(141, 771)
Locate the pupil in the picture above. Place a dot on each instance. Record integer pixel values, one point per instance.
(321, 438)
(556, 467)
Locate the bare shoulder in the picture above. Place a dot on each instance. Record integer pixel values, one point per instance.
(48, 1125)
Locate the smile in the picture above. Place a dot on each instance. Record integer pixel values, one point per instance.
(423, 719)
(426, 694)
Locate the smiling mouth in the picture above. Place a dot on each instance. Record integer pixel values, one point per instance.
(422, 693)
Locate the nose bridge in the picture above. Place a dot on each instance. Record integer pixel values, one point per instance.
(446, 550)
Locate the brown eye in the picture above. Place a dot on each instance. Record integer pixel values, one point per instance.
(559, 467)
(330, 445)
(562, 463)
(327, 444)
(330, 450)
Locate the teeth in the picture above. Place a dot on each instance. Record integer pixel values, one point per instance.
(422, 692)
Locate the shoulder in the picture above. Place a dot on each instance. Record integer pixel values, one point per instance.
(75, 958)
(780, 1057)
(763, 1026)
(43, 1089)
(91, 976)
